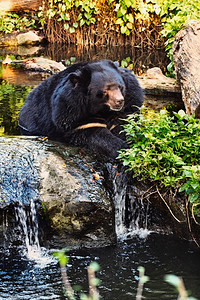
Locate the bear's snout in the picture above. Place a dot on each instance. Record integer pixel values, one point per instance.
(115, 99)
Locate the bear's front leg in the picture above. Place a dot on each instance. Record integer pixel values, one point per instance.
(97, 139)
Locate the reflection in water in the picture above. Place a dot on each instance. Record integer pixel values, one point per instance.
(142, 58)
(12, 98)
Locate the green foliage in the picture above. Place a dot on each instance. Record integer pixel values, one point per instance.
(177, 282)
(73, 13)
(165, 149)
(94, 282)
(12, 21)
(11, 100)
(176, 15)
(126, 63)
(70, 61)
(61, 257)
(125, 15)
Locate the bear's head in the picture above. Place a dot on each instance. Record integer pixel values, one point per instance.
(102, 83)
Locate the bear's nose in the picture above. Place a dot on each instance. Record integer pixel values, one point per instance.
(119, 101)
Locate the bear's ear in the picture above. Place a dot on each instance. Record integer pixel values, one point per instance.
(81, 78)
(74, 78)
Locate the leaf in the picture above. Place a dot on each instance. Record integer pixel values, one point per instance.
(95, 266)
(75, 25)
(87, 15)
(195, 185)
(82, 22)
(173, 279)
(123, 11)
(66, 26)
(129, 25)
(96, 176)
(193, 197)
(119, 21)
(62, 258)
(130, 18)
(71, 29)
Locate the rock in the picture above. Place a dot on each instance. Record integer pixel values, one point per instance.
(45, 65)
(186, 53)
(82, 199)
(16, 38)
(73, 208)
(155, 83)
(28, 38)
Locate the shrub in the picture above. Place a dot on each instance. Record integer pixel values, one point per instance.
(165, 148)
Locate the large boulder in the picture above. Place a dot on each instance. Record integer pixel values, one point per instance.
(73, 206)
(186, 53)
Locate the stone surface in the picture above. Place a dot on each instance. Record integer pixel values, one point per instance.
(28, 38)
(41, 64)
(155, 83)
(19, 39)
(186, 53)
(74, 208)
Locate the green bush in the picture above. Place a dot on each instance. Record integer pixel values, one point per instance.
(11, 21)
(165, 148)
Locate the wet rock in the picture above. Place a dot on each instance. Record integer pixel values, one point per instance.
(74, 209)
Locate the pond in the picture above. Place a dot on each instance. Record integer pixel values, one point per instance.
(23, 278)
(158, 254)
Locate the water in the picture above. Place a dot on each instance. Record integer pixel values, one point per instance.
(131, 214)
(160, 255)
(26, 217)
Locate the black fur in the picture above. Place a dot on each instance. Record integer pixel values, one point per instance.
(75, 97)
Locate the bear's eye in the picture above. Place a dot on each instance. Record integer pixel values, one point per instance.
(100, 94)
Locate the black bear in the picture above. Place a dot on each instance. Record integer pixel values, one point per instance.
(83, 106)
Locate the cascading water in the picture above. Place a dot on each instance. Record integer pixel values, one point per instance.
(20, 182)
(131, 214)
(26, 218)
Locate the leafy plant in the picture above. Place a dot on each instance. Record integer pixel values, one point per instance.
(165, 148)
(73, 13)
(12, 21)
(175, 15)
(11, 100)
(93, 281)
(179, 284)
(126, 63)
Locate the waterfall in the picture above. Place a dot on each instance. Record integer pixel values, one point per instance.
(26, 218)
(28, 225)
(131, 213)
(20, 182)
